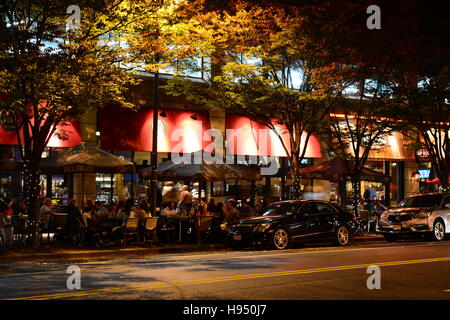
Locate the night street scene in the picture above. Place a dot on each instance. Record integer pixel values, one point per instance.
(225, 159)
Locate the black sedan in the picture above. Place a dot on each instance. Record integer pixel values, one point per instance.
(282, 223)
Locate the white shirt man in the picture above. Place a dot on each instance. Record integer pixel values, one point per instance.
(169, 211)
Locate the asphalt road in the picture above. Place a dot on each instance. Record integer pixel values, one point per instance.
(410, 270)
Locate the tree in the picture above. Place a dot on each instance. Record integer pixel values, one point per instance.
(352, 134)
(260, 68)
(52, 72)
(393, 78)
(421, 86)
(427, 110)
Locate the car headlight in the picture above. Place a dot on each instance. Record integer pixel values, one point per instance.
(263, 227)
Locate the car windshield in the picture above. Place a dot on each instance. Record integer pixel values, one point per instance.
(427, 201)
(279, 209)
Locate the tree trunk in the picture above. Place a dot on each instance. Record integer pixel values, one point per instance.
(356, 196)
(32, 186)
(296, 180)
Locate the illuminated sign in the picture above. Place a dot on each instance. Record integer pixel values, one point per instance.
(424, 173)
(423, 155)
(8, 120)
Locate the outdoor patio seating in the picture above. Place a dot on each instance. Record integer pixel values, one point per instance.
(150, 228)
(130, 230)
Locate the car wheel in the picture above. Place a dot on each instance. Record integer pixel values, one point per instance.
(280, 239)
(342, 236)
(390, 237)
(438, 230)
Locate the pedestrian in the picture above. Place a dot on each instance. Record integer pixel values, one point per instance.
(370, 194)
(371, 213)
(169, 193)
(185, 200)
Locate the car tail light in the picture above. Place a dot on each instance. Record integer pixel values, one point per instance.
(8, 212)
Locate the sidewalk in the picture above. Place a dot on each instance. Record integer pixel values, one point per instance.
(65, 254)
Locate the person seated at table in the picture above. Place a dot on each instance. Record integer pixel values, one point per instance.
(46, 209)
(47, 206)
(202, 208)
(74, 220)
(246, 211)
(212, 207)
(89, 206)
(144, 205)
(379, 206)
(23, 209)
(220, 213)
(169, 211)
(138, 212)
(232, 214)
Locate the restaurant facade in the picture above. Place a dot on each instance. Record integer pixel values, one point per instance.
(186, 128)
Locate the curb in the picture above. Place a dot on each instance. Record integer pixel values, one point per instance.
(65, 255)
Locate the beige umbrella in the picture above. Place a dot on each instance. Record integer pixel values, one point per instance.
(83, 160)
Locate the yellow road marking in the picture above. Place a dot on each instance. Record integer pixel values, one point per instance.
(229, 278)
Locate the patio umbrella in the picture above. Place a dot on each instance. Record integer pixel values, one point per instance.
(333, 170)
(85, 160)
(210, 172)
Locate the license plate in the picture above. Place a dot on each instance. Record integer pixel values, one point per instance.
(397, 227)
(237, 237)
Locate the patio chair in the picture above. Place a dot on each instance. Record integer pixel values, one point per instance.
(57, 224)
(166, 228)
(203, 227)
(130, 230)
(19, 227)
(150, 227)
(46, 219)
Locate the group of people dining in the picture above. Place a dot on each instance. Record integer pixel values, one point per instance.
(110, 219)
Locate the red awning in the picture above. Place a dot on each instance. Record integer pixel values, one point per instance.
(437, 181)
(71, 131)
(124, 129)
(246, 137)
